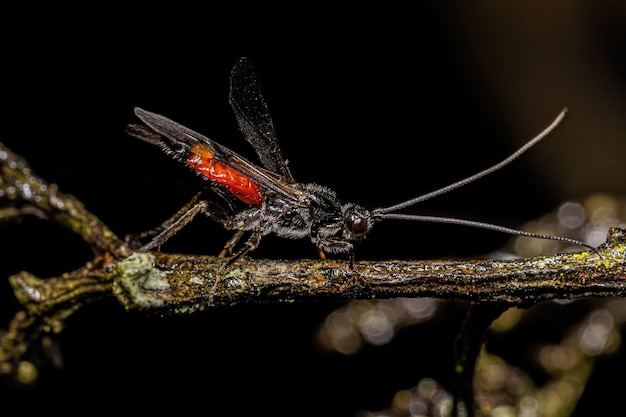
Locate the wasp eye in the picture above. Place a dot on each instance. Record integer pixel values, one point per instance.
(357, 221)
(359, 225)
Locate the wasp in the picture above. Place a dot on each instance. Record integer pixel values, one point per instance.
(263, 199)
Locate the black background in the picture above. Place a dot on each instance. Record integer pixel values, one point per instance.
(380, 104)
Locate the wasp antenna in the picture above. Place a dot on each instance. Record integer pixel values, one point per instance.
(481, 174)
(471, 223)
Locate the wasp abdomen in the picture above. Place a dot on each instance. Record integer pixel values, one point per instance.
(203, 161)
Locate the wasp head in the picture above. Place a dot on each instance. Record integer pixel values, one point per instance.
(357, 222)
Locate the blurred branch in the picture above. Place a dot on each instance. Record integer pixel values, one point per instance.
(27, 194)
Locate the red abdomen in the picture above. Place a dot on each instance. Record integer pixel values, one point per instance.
(203, 161)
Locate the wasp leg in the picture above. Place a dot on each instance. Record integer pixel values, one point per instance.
(167, 224)
(183, 216)
(251, 244)
(173, 225)
(336, 246)
(230, 244)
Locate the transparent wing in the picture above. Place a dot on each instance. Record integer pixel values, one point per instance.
(254, 119)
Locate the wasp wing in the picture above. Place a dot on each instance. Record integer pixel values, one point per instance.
(248, 104)
(179, 141)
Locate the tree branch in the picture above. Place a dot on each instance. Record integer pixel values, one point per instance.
(27, 194)
(165, 283)
(177, 283)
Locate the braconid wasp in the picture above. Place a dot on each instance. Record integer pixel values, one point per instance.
(245, 197)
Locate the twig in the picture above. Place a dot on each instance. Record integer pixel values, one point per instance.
(175, 283)
(27, 193)
(165, 283)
